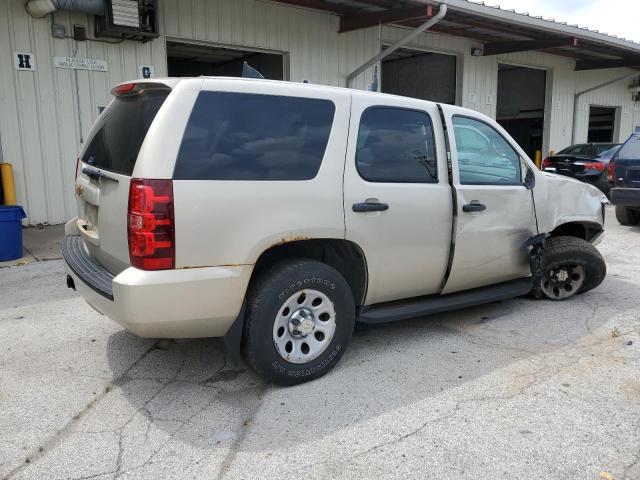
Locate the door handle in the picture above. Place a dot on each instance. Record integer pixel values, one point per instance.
(474, 206)
(370, 207)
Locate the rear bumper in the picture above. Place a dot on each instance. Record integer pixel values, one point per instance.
(627, 197)
(183, 303)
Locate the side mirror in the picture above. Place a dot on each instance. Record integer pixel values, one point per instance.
(530, 179)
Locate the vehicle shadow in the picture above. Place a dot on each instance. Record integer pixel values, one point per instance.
(188, 389)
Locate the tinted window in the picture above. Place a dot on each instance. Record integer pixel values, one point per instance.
(396, 145)
(577, 150)
(607, 154)
(121, 129)
(240, 136)
(603, 147)
(631, 149)
(484, 156)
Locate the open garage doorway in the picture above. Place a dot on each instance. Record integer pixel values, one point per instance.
(602, 124)
(521, 105)
(193, 60)
(419, 74)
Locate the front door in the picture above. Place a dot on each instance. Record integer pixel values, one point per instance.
(397, 200)
(495, 214)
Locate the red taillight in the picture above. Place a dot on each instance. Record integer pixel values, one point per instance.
(123, 88)
(594, 166)
(611, 170)
(150, 224)
(546, 163)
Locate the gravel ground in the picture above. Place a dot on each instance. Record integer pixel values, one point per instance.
(518, 389)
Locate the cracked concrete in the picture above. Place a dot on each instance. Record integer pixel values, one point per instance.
(517, 389)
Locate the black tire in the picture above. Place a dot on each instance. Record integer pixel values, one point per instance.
(563, 251)
(265, 298)
(626, 216)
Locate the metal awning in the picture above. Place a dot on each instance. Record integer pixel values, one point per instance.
(497, 31)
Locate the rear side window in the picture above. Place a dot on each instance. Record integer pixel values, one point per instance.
(121, 129)
(631, 149)
(241, 136)
(396, 145)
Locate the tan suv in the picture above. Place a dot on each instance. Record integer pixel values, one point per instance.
(278, 214)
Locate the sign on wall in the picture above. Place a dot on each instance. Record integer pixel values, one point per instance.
(24, 61)
(77, 63)
(146, 71)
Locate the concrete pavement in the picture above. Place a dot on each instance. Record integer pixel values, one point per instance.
(517, 389)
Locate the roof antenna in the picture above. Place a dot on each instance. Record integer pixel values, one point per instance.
(249, 72)
(373, 87)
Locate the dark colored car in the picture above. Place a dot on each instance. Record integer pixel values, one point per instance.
(587, 162)
(625, 193)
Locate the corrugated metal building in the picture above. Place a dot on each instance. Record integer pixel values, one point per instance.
(477, 56)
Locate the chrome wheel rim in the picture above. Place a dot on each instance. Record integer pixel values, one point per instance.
(304, 326)
(563, 282)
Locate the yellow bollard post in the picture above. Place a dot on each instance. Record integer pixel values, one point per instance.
(8, 185)
(538, 160)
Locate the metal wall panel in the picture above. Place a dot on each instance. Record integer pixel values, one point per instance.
(45, 114)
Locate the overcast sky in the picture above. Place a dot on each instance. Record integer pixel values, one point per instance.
(616, 17)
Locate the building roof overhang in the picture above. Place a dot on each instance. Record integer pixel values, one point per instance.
(495, 30)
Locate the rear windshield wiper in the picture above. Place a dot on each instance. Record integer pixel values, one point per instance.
(93, 173)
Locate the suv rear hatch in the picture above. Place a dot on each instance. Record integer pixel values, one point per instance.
(627, 164)
(105, 167)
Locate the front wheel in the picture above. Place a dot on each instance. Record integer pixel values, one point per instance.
(300, 317)
(571, 266)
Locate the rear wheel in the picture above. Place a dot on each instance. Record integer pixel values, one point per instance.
(572, 266)
(626, 216)
(300, 318)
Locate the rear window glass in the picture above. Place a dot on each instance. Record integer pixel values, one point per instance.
(576, 150)
(121, 129)
(241, 136)
(396, 145)
(631, 149)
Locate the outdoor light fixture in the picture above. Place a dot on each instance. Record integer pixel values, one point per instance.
(476, 52)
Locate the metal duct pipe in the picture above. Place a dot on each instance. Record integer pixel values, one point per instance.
(41, 8)
(414, 33)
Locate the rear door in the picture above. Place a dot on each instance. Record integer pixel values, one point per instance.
(106, 165)
(495, 214)
(397, 200)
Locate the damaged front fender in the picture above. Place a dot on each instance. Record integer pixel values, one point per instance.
(563, 200)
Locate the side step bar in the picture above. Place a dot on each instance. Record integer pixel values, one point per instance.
(419, 306)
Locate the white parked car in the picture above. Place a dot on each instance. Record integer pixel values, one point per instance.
(279, 214)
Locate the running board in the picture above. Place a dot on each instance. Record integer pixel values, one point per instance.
(419, 306)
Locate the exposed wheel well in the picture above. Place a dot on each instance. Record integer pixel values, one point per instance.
(345, 256)
(584, 230)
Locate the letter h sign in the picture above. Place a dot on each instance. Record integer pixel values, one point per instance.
(24, 61)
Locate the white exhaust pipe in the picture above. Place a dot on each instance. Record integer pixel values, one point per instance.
(42, 8)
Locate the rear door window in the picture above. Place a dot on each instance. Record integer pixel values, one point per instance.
(396, 145)
(120, 131)
(240, 136)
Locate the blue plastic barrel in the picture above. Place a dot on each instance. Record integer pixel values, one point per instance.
(11, 232)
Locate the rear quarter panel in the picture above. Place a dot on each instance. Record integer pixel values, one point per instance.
(220, 222)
